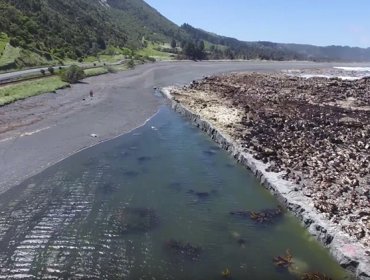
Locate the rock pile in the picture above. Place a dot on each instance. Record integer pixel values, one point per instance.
(315, 131)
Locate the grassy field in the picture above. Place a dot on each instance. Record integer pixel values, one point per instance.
(121, 67)
(111, 58)
(151, 51)
(95, 71)
(10, 54)
(4, 40)
(22, 90)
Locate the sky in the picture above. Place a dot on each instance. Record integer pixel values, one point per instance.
(317, 22)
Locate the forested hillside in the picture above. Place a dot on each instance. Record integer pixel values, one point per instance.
(61, 28)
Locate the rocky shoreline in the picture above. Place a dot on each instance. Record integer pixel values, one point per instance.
(228, 109)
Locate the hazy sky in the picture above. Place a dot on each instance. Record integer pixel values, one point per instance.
(318, 22)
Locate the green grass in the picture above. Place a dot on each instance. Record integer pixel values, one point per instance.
(90, 59)
(17, 58)
(10, 54)
(122, 67)
(29, 59)
(110, 55)
(4, 40)
(151, 51)
(95, 71)
(22, 90)
(111, 58)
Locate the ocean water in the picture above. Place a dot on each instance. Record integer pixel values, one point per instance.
(152, 204)
(355, 69)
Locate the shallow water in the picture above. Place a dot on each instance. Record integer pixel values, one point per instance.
(152, 204)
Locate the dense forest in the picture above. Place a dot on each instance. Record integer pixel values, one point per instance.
(59, 29)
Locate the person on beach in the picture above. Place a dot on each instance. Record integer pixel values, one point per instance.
(91, 93)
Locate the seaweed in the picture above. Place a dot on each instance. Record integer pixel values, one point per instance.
(284, 261)
(263, 216)
(266, 215)
(315, 276)
(226, 273)
(134, 220)
(186, 250)
(143, 159)
(242, 242)
(200, 195)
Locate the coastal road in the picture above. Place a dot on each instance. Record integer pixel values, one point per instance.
(40, 131)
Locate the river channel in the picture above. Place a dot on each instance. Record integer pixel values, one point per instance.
(161, 202)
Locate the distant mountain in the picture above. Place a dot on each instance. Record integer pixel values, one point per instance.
(60, 29)
(330, 53)
(278, 51)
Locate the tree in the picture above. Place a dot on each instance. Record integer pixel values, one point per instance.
(73, 74)
(201, 46)
(200, 50)
(194, 50)
(189, 50)
(101, 43)
(173, 43)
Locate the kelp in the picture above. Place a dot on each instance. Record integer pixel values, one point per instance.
(263, 216)
(226, 274)
(200, 195)
(143, 159)
(284, 261)
(315, 276)
(184, 249)
(241, 242)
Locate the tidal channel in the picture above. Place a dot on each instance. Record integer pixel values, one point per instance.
(161, 202)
